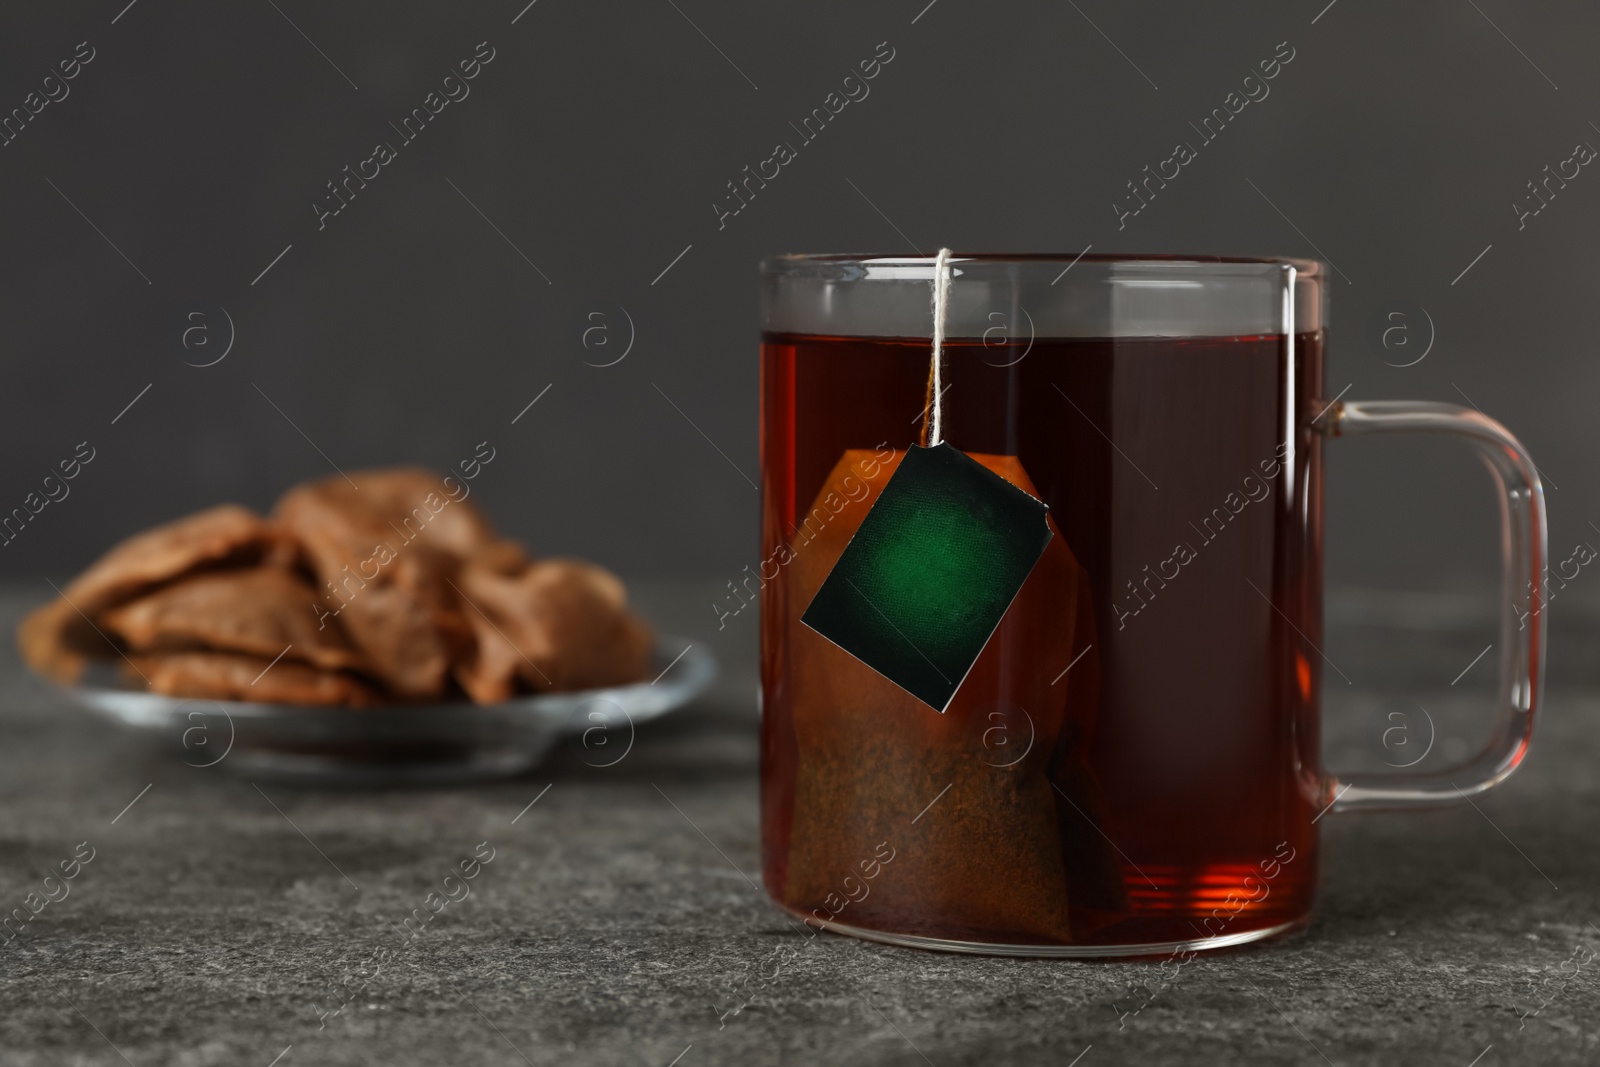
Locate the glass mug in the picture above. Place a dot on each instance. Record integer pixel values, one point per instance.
(1132, 764)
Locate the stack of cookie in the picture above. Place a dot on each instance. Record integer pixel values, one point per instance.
(383, 587)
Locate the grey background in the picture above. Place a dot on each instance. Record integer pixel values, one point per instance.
(598, 140)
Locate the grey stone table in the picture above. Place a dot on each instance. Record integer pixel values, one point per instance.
(616, 918)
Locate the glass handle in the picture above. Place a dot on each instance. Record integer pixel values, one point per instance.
(1523, 554)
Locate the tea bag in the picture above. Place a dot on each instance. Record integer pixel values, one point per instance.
(952, 589)
(986, 854)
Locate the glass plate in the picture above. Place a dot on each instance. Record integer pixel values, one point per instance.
(409, 744)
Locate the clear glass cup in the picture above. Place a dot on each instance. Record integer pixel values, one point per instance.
(1131, 765)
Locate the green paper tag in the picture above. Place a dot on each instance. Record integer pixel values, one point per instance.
(931, 571)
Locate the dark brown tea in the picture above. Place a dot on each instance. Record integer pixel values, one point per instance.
(1134, 758)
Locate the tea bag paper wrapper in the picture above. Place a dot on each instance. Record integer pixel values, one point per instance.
(931, 571)
(998, 845)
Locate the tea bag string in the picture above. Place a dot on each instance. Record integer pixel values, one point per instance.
(933, 425)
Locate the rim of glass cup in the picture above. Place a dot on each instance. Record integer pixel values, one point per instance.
(789, 261)
(1041, 294)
